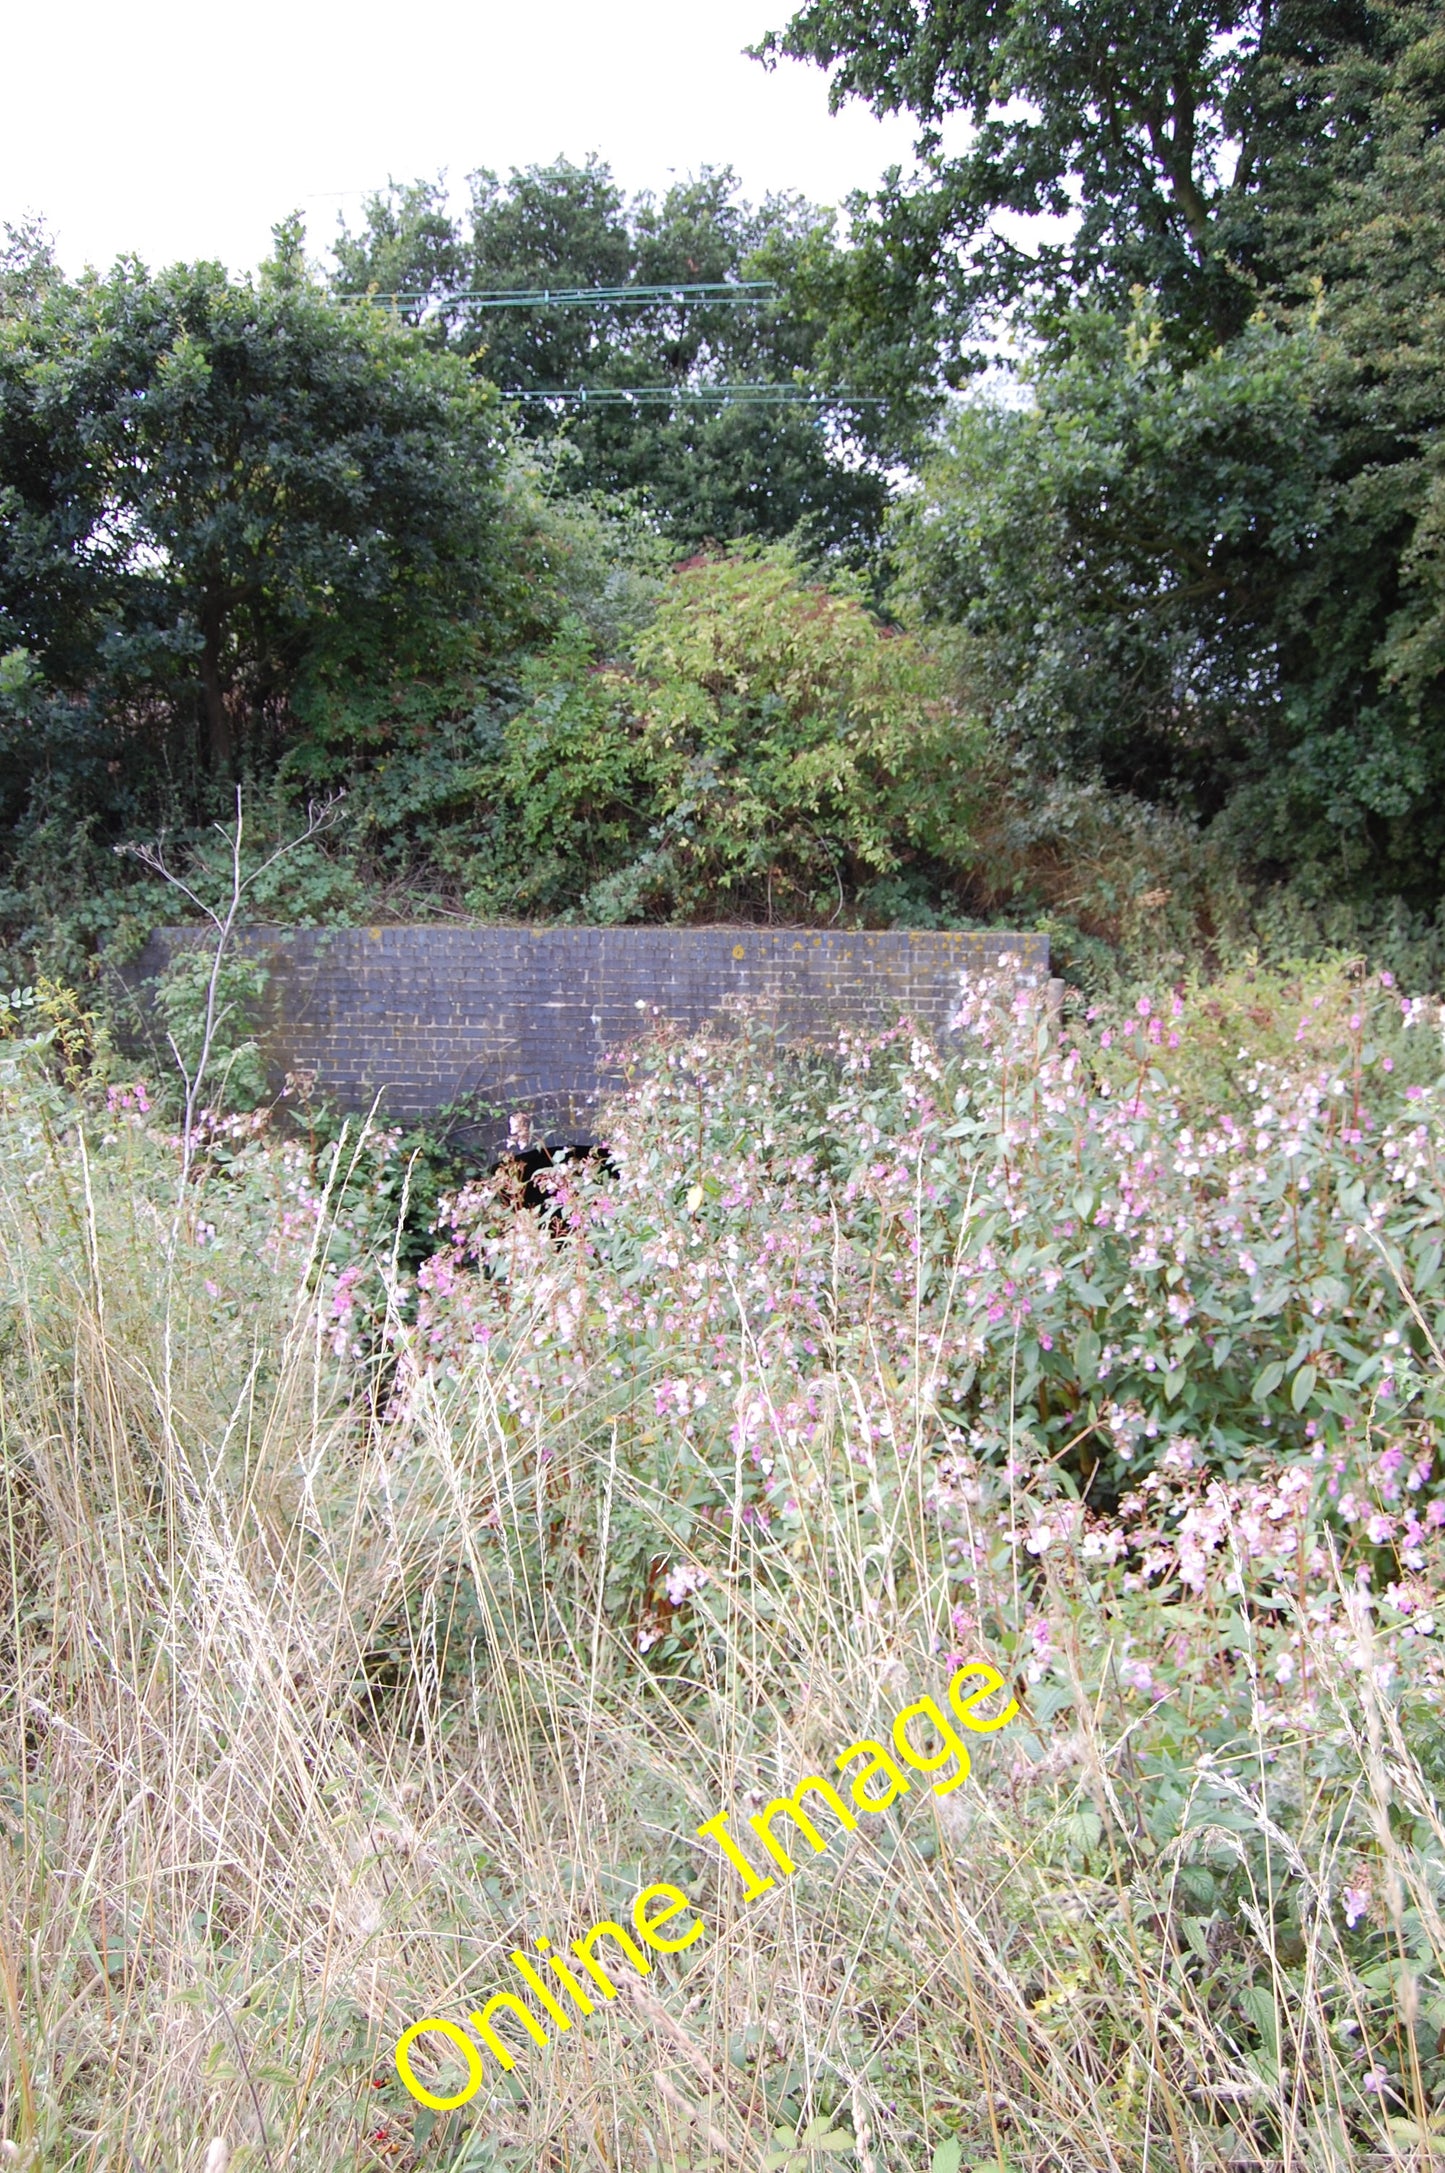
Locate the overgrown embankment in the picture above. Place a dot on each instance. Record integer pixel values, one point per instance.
(361, 1628)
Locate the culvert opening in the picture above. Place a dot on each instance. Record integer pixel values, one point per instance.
(524, 1167)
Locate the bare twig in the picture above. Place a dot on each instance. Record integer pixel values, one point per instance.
(320, 814)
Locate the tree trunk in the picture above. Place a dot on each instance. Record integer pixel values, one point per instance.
(218, 717)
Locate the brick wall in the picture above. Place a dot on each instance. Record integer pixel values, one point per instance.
(526, 1018)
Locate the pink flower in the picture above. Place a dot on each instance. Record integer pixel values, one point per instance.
(1357, 1901)
(437, 1275)
(343, 1298)
(1041, 1637)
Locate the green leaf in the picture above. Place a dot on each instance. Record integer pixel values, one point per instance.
(1080, 1829)
(1086, 1356)
(1258, 2004)
(820, 2134)
(948, 2157)
(1413, 2136)
(1266, 1381)
(1304, 1386)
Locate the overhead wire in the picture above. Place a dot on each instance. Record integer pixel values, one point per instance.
(757, 395)
(698, 292)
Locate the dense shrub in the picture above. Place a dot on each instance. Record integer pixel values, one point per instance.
(1183, 1234)
(1115, 546)
(772, 749)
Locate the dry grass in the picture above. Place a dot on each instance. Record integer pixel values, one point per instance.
(269, 1792)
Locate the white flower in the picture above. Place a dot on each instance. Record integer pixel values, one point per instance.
(682, 1581)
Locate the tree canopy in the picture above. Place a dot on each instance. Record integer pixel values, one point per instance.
(208, 485)
(1178, 143)
(706, 469)
(1197, 552)
(1184, 551)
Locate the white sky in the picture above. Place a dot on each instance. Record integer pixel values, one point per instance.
(179, 131)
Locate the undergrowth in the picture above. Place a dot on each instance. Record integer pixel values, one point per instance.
(362, 1624)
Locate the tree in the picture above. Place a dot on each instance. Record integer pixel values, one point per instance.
(707, 469)
(209, 485)
(1202, 556)
(27, 265)
(1163, 135)
(1362, 786)
(1121, 553)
